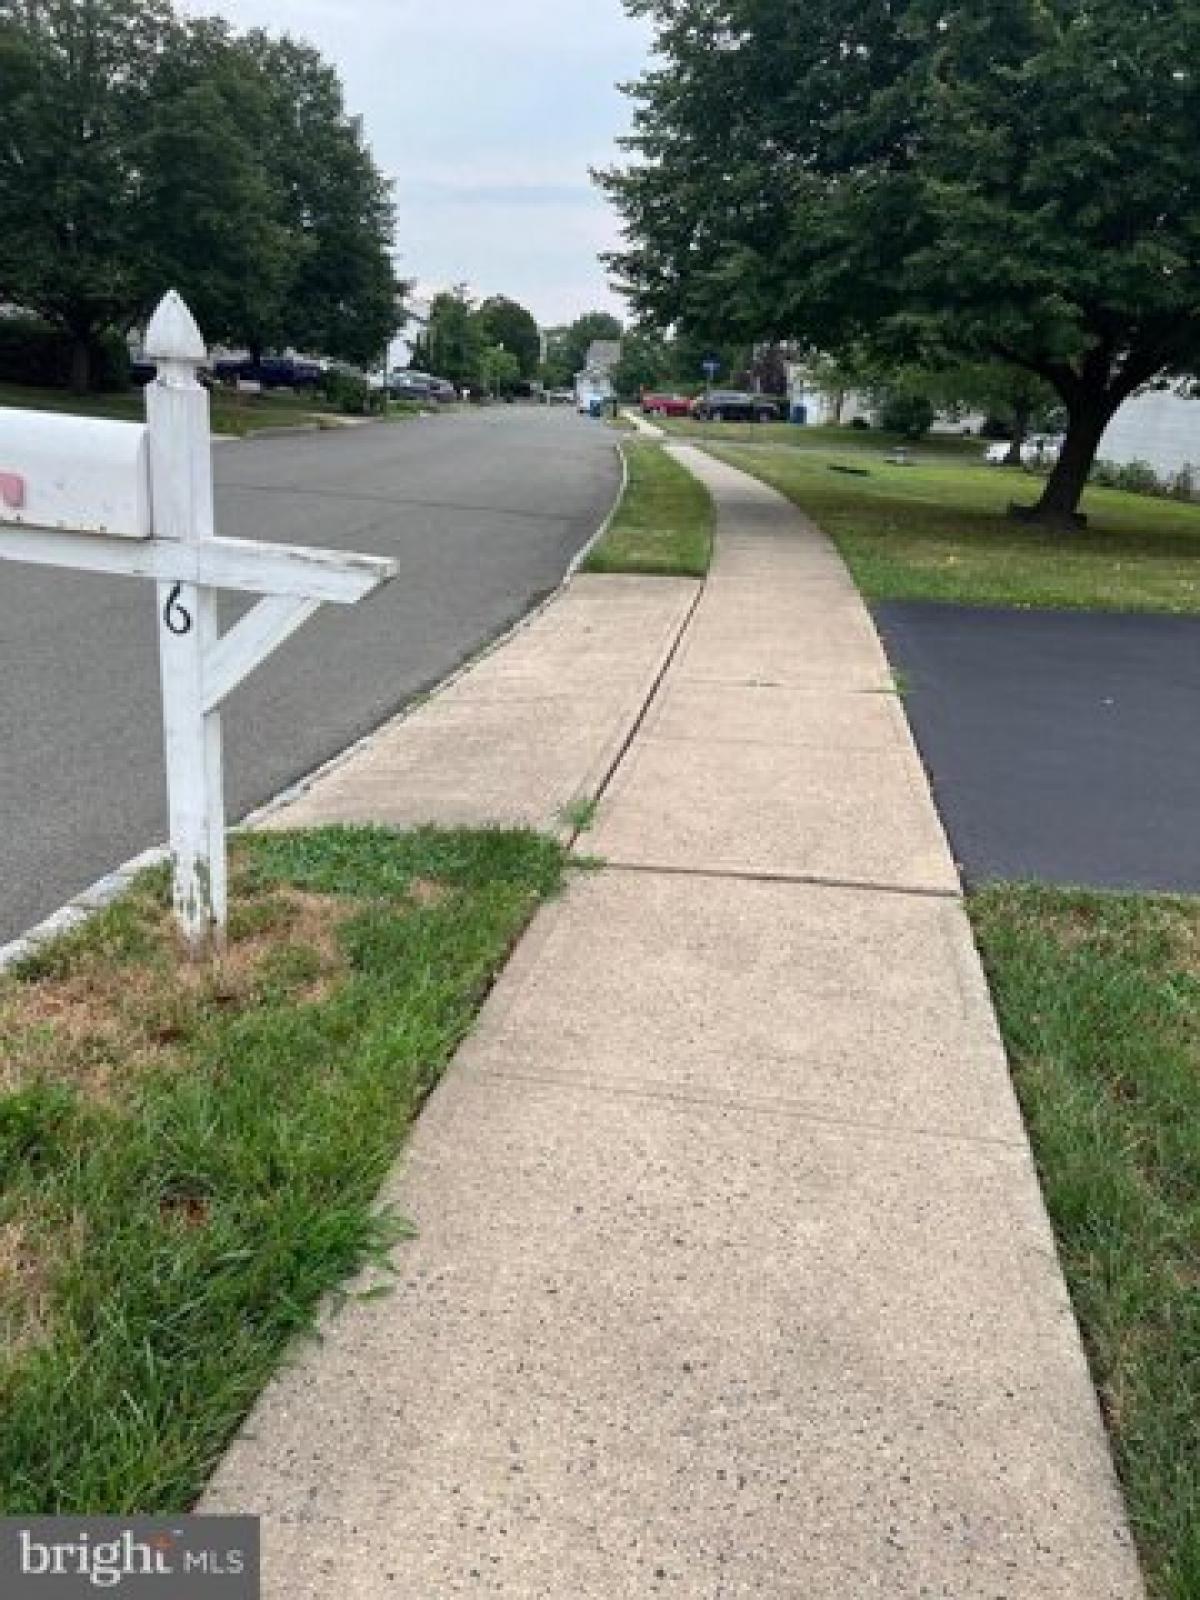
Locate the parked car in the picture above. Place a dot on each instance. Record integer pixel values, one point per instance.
(1038, 450)
(272, 372)
(666, 405)
(406, 384)
(734, 405)
(142, 372)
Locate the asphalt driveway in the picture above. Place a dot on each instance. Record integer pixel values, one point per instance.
(484, 511)
(1063, 747)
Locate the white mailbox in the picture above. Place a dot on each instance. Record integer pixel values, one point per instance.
(74, 473)
(123, 498)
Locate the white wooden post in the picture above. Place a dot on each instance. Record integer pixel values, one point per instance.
(137, 502)
(181, 496)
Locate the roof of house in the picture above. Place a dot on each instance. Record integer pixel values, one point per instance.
(603, 353)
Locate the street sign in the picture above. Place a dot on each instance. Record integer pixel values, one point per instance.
(136, 501)
(711, 367)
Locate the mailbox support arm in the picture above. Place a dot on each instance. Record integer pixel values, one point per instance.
(260, 631)
(329, 576)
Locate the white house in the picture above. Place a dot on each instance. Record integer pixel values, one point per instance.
(1159, 427)
(823, 406)
(595, 381)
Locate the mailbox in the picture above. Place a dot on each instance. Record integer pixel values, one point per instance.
(74, 474)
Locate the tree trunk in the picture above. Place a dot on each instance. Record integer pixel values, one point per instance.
(81, 363)
(1087, 420)
(1020, 432)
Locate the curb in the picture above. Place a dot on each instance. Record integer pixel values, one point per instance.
(84, 906)
(647, 430)
(97, 896)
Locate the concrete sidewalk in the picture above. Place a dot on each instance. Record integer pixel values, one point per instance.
(732, 1275)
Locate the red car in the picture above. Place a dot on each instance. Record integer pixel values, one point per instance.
(666, 405)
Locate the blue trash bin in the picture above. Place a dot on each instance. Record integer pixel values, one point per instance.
(798, 414)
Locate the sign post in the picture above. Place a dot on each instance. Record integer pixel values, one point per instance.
(711, 367)
(137, 501)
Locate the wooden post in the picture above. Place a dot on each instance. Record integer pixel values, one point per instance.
(177, 414)
(120, 498)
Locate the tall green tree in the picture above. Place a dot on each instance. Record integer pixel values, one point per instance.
(343, 298)
(499, 370)
(452, 345)
(80, 87)
(1014, 181)
(507, 323)
(1012, 396)
(214, 219)
(140, 150)
(646, 363)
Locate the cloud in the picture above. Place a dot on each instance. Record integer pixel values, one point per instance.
(487, 115)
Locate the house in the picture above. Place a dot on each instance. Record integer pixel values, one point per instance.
(1161, 427)
(595, 381)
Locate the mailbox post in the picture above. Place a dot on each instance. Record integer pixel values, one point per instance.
(136, 500)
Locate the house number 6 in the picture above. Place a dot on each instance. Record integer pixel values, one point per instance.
(176, 616)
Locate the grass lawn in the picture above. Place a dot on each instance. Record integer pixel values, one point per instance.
(665, 522)
(234, 413)
(1099, 1002)
(871, 441)
(190, 1155)
(938, 531)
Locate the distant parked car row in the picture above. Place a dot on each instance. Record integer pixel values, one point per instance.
(1037, 450)
(719, 405)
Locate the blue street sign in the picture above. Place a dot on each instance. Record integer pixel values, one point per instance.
(712, 366)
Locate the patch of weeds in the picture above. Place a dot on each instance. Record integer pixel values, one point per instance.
(580, 814)
(170, 1223)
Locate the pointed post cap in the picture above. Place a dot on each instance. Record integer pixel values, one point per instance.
(173, 334)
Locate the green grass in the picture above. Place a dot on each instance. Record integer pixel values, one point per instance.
(1099, 1002)
(190, 1156)
(870, 441)
(939, 531)
(665, 522)
(232, 413)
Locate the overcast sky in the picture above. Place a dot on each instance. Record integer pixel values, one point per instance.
(487, 113)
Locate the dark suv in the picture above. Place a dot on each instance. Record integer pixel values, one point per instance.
(734, 405)
(272, 372)
(405, 384)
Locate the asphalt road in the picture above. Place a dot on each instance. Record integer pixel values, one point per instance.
(484, 511)
(1064, 747)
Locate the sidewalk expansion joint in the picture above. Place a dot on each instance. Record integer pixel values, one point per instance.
(811, 880)
(639, 721)
(494, 1077)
